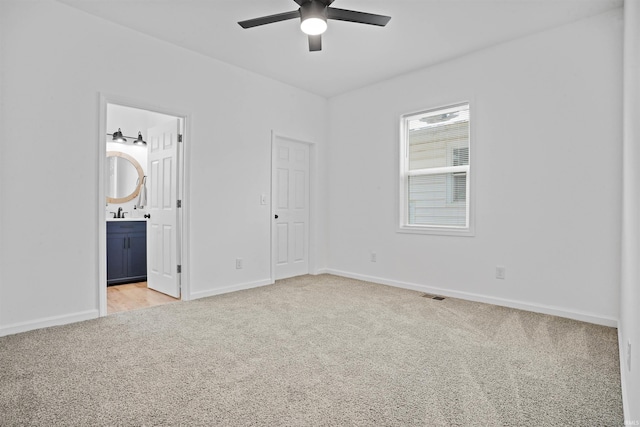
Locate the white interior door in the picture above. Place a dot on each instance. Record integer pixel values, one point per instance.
(162, 226)
(290, 198)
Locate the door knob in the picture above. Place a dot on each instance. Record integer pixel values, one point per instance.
(276, 216)
(147, 215)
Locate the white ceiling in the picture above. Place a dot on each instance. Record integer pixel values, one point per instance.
(420, 33)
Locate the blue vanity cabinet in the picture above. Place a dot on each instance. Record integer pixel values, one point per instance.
(126, 252)
(116, 256)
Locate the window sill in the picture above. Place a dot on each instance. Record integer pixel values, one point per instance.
(437, 231)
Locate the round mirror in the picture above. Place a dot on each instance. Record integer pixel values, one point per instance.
(124, 177)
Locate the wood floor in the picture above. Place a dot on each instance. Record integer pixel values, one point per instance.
(133, 296)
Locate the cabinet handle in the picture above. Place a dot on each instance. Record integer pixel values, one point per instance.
(124, 243)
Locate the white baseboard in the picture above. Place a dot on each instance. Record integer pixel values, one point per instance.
(227, 289)
(319, 271)
(623, 370)
(46, 322)
(537, 308)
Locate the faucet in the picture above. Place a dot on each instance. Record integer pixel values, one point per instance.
(120, 213)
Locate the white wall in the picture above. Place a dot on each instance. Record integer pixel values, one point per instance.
(55, 62)
(2, 139)
(133, 120)
(629, 330)
(546, 129)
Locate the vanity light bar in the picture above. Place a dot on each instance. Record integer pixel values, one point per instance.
(118, 137)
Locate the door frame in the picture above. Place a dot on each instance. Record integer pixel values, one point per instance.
(183, 192)
(313, 202)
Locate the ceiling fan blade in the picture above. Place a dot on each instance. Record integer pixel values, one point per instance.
(358, 17)
(250, 23)
(315, 43)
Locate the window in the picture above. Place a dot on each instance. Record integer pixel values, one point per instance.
(435, 171)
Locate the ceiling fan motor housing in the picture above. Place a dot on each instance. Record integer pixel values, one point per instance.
(313, 9)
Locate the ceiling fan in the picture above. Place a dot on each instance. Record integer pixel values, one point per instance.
(313, 16)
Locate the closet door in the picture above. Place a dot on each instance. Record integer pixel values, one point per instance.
(290, 189)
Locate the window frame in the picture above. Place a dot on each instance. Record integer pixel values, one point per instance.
(403, 225)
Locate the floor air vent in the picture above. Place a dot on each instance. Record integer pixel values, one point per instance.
(435, 297)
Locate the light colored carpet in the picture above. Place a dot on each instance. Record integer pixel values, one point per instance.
(312, 351)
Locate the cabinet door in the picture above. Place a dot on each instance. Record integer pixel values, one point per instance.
(137, 243)
(116, 256)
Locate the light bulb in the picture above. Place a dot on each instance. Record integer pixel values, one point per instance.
(313, 26)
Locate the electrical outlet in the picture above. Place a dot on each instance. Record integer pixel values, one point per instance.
(374, 257)
(629, 355)
(238, 263)
(263, 199)
(501, 272)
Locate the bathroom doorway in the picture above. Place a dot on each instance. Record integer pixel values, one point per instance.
(132, 296)
(141, 222)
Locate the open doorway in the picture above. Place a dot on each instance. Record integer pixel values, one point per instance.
(140, 218)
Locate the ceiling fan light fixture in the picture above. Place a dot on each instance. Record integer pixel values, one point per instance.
(313, 26)
(313, 18)
(313, 15)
